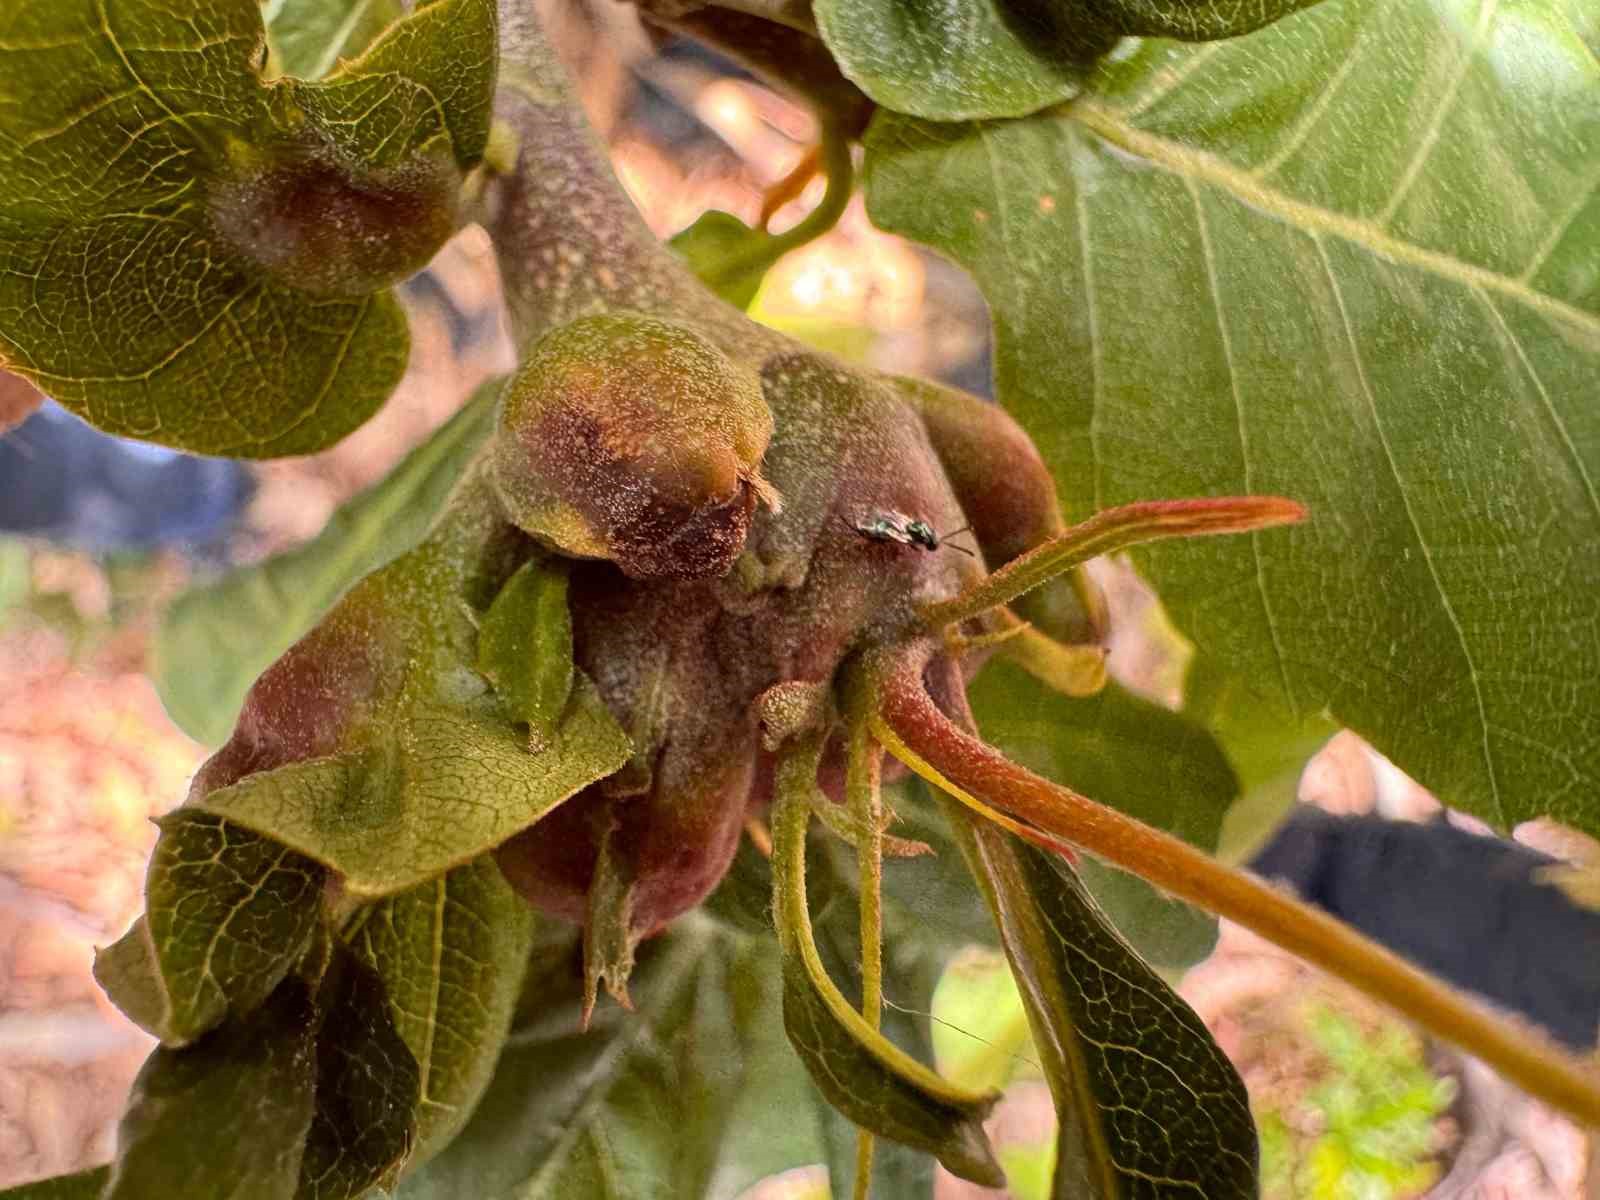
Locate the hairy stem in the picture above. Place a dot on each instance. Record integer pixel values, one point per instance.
(952, 759)
(1109, 531)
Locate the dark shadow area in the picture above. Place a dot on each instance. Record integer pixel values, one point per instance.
(1466, 907)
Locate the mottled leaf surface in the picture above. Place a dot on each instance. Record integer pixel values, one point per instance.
(215, 638)
(442, 788)
(367, 1089)
(124, 295)
(1351, 259)
(1148, 1105)
(451, 953)
(1132, 755)
(228, 913)
(227, 1116)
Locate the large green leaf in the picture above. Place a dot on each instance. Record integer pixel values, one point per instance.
(228, 914)
(216, 638)
(945, 60)
(443, 786)
(1135, 756)
(1148, 1105)
(952, 60)
(1353, 259)
(227, 1116)
(188, 254)
(451, 953)
(637, 1106)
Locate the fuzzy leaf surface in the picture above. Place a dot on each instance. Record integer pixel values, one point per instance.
(451, 953)
(227, 915)
(1148, 1104)
(215, 639)
(226, 1116)
(1132, 755)
(123, 294)
(427, 82)
(442, 788)
(1371, 321)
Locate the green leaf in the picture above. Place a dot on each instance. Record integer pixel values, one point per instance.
(1148, 1105)
(1370, 321)
(191, 256)
(525, 646)
(866, 1077)
(85, 1185)
(443, 786)
(227, 1116)
(228, 913)
(728, 256)
(640, 1105)
(451, 953)
(367, 1091)
(1135, 756)
(309, 37)
(944, 60)
(953, 60)
(216, 638)
(428, 80)
(130, 974)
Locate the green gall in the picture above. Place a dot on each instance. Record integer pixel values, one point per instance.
(633, 439)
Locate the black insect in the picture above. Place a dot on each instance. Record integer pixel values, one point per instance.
(907, 531)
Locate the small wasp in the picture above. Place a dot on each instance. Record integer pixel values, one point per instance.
(907, 531)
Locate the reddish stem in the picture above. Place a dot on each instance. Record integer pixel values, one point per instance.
(1522, 1055)
(1111, 530)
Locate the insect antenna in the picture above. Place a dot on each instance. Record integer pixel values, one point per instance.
(944, 540)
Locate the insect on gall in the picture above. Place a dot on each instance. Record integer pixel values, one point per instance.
(907, 531)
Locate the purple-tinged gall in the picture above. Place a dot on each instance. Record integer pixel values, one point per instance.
(633, 439)
(320, 226)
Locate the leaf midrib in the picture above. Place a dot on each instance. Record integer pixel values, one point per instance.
(1188, 163)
